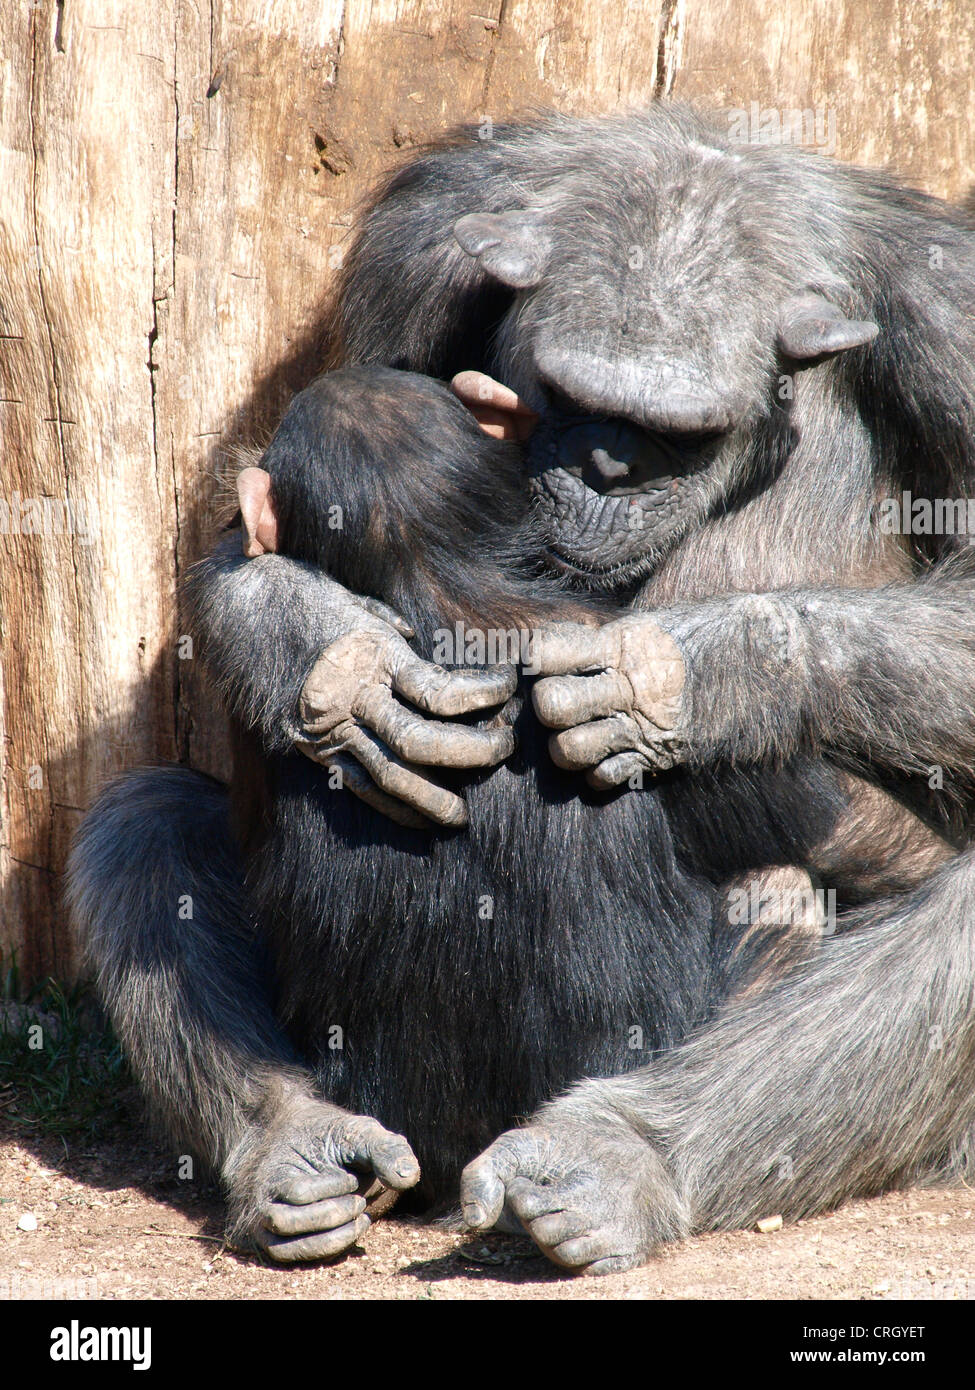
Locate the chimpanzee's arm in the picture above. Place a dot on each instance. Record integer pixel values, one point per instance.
(260, 625)
(307, 664)
(886, 674)
(155, 888)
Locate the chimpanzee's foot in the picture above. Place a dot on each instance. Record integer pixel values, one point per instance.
(594, 1197)
(299, 1187)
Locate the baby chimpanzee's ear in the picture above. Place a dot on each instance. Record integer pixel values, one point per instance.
(260, 525)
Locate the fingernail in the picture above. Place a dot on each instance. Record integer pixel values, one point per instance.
(455, 817)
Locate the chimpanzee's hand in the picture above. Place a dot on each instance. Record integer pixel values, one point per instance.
(351, 720)
(299, 1190)
(615, 691)
(589, 1193)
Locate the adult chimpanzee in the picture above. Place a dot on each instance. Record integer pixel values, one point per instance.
(746, 349)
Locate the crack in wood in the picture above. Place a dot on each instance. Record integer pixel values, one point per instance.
(669, 48)
(491, 59)
(46, 844)
(181, 744)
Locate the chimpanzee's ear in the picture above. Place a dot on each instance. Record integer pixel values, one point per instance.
(514, 247)
(811, 326)
(260, 525)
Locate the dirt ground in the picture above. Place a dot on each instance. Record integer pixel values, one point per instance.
(113, 1222)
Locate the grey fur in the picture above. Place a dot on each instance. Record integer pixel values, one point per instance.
(801, 626)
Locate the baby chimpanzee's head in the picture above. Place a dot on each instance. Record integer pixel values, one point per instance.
(385, 480)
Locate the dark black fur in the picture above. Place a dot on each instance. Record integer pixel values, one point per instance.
(456, 1024)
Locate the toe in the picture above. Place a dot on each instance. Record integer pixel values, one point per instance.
(286, 1220)
(324, 1245)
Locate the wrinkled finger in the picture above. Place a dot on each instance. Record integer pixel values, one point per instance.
(429, 741)
(402, 782)
(562, 701)
(286, 1220)
(591, 743)
(561, 649)
(388, 1155)
(355, 779)
(381, 610)
(615, 771)
(529, 1199)
(447, 693)
(302, 1189)
(482, 1185)
(325, 1245)
(583, 1251)
(557, 1227)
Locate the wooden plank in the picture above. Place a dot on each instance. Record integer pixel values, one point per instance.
(83, 604)
(895, 75)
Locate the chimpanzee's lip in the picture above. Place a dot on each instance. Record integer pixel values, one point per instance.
(619, 570)
(587, 532)
(668, 482)
(566, 562)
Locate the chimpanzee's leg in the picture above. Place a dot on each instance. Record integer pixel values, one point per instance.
(155, 889)
(850, 1076)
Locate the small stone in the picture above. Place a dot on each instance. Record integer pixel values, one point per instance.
(768, 1224)
(28, 1222)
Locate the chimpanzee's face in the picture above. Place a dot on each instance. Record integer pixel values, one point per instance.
(651, 359)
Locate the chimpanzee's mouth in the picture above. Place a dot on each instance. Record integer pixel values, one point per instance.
(609, 493)
(611, 455)
(605, 576)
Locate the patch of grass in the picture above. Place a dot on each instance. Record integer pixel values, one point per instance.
(61, 1070)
